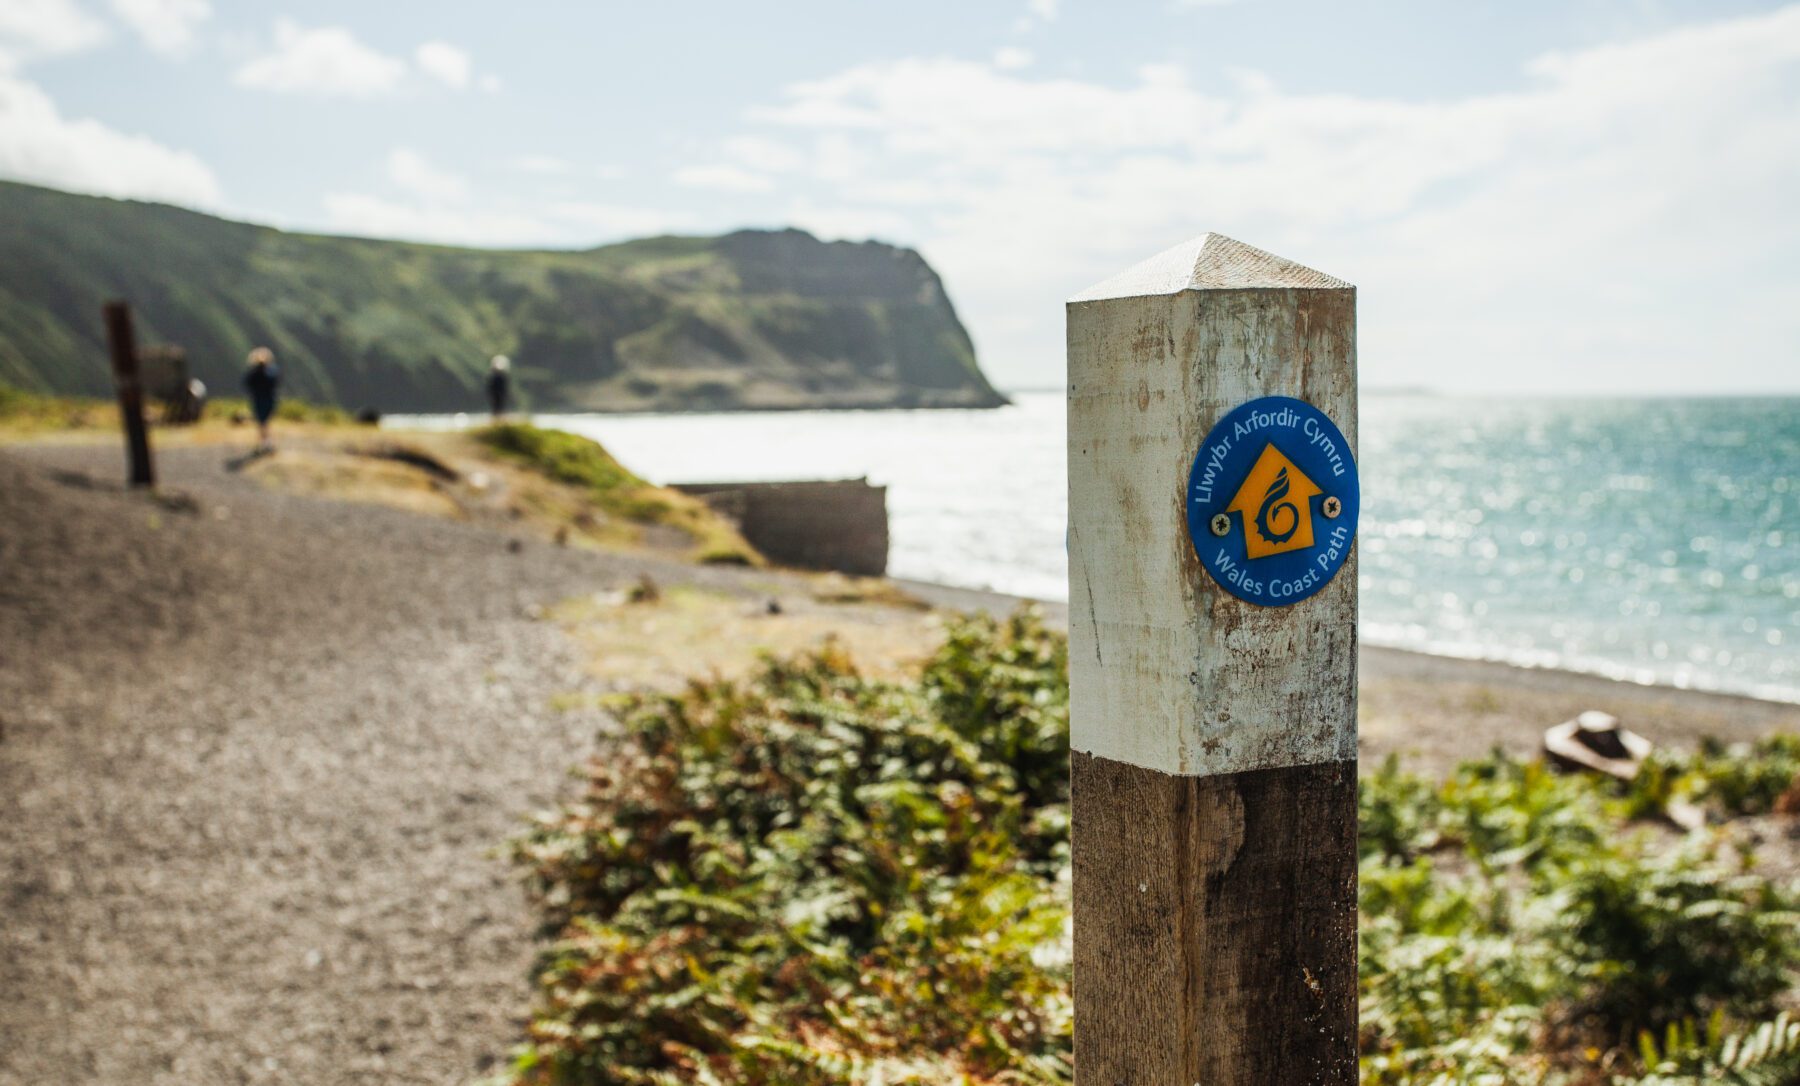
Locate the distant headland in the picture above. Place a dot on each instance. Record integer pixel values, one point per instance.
(753, 320)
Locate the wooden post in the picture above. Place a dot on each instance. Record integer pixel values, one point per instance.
(1214, 740)
(131, 392)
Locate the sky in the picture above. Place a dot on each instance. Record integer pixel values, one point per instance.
(1592, 196)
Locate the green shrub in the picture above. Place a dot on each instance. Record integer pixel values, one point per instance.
(814, 877)
(811, 876)
(1671, 937)
(1740, 779)
(1765, 1055)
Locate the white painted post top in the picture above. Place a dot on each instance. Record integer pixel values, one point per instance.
(1209, 262)
(1169, 670)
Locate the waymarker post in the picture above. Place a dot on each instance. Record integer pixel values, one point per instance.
(123, 345)
(1212, 612)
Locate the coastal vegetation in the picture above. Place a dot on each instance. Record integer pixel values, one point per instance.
(36, 413)
(585, 465)
(753, 319)
(552, 484)
(810, 874)
(33, 413)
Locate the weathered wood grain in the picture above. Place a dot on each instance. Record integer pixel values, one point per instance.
(1148, 377)
(1214, 773)
(1215, 926)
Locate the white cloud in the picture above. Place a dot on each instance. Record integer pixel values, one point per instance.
(837, 221)
(445, 63)
(412, 172)
(1042, 9)
(323, 61)
(613, 221)
(763, 155)
(373, 216)
(43, 28)
(437, 205)
(489, 84)
(38, 144)
(542, 164)
(1621, 215)
(1012, 58)
(568, 224)
(166, 26)
(552, 166)
(723, 177)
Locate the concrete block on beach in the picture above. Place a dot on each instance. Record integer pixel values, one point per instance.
(836, 525)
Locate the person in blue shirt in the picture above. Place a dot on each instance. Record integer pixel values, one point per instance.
(262, 380)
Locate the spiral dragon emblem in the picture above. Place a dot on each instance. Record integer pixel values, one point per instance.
(1275, 504)
(1275, 510)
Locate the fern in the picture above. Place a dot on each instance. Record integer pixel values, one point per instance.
(1766, 1055)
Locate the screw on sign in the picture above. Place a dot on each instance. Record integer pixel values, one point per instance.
(1212, 520)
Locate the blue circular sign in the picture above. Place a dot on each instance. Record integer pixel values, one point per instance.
(1272, 501)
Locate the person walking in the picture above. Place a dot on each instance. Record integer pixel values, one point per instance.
(499, 385)
(262, 380)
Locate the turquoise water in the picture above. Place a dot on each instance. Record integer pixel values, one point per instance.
(1654, 540)
(1651, 540)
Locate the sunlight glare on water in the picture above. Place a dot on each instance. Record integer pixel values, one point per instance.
(1656, 540)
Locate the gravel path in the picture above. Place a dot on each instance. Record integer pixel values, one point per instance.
(229, 858)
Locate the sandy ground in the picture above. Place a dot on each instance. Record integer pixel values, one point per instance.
(257, 752)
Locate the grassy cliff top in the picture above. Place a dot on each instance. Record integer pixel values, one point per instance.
(744, 320)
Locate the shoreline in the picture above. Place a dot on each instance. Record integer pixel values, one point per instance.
(1434, 712)
(1705, 692)
(1441, 707)
(1000, 528)
(1389, 656)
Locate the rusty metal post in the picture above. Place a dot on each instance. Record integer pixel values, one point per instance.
(131, 392)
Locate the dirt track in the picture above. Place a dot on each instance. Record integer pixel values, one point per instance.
(256, 757)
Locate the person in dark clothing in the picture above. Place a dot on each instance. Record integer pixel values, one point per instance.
(499, 385)
(262, 381)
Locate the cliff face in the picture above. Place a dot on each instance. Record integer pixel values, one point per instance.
(755, 319)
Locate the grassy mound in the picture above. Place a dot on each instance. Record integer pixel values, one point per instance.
(585, 464)
(811, 876)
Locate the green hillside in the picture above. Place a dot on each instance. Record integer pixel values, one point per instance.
(755, 319)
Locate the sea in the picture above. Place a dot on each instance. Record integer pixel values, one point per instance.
(1650, 540)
